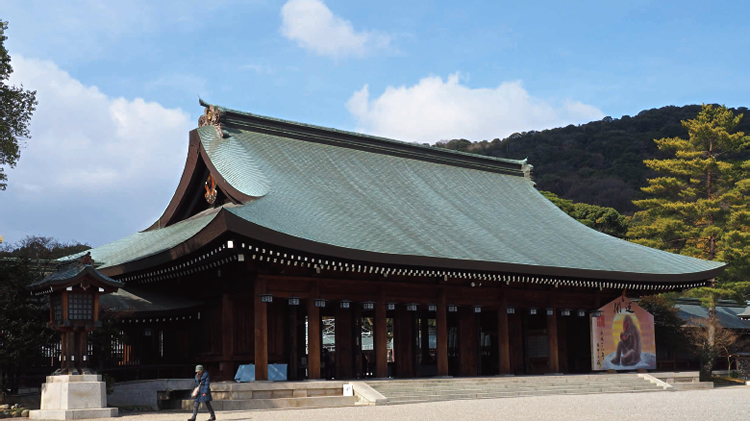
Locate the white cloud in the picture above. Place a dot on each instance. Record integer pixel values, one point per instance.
(94, 164)
(435, 109)
(314, 27)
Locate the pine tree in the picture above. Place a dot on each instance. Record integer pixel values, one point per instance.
(700, 204)
(700, 207)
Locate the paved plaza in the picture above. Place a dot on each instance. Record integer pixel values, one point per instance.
(728, 403)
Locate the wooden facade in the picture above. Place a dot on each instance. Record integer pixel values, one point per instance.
(453, 264)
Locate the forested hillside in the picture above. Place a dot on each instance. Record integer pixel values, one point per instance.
(600, 162)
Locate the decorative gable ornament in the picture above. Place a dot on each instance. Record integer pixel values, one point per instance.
(212, 116)
(210, 186)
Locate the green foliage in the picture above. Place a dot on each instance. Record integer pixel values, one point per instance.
(709, 339)
(699, 204)
(600, 162)
(16, 107)
(667, 324)
(606, 220)
(24, 317)
(101, 340)
(23, 320)
(110, 382)
(41, 248)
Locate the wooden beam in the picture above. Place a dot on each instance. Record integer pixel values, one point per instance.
(313, 336)
(503, 336)
(442, 335)
(261, 331)
(381, 339)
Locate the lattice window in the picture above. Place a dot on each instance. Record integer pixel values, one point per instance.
(80, 306)
(57, 307)
(537, 346)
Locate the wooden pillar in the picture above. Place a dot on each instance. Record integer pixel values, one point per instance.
(292, 371)
(82, 350)
(357, 341)
(343, 343)
(562, 344)
(313, 336)
(261, 331)
(503, 336)
(424, 327)
(516, 337)
(442, 335)
(227, 337)
(554, 362)
(381, 339)
(467, 338)
(404, 345)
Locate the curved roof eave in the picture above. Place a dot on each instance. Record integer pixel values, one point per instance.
(227, 222)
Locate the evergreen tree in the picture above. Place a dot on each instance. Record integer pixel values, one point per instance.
(700, 204)
(16, 107)
(700, 209)
(600, 218)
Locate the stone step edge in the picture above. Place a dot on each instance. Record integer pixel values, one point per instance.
(396, 401)
(504, 386)
(547, 391)
(312, 402)
(396, 390)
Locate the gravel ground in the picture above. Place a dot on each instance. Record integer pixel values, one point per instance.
(727, 403)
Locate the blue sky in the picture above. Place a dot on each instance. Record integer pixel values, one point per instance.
(118, 82)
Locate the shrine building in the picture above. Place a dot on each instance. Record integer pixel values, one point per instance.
(345, 255)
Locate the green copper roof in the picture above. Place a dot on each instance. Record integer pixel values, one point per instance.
(397, 205)
(70, 272)
(380, 200)
(147, 243)
(728, 312)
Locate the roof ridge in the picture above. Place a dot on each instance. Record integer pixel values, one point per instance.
(397, 142)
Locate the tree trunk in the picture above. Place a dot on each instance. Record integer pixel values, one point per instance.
(708, 363)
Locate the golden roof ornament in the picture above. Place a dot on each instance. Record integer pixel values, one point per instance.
(210, 186)
(212, 116)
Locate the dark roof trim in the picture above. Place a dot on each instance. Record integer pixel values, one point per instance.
(225, 222)
(191, 184)
(70, 276)
(380, 145)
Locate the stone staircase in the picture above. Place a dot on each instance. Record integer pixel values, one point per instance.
(266, 395)
(429, 390)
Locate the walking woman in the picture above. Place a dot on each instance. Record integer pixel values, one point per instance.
(203, 384)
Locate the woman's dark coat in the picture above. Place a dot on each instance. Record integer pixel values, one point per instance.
(204, 394)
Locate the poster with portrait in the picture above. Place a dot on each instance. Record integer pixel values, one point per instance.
(622, 337)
